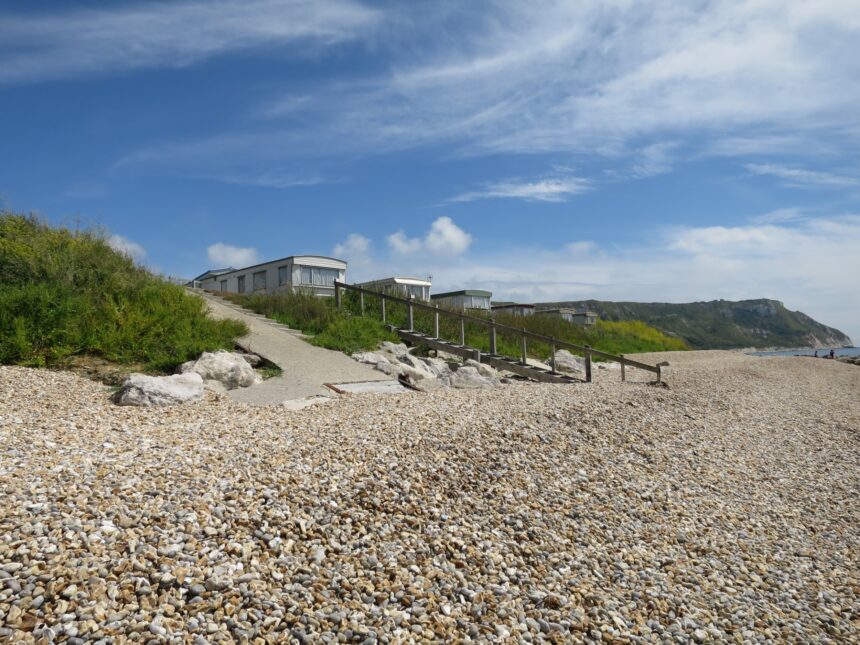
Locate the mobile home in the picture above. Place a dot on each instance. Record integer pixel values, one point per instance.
(463, 299)
(312, 273)
(405, 287)
(580, 317)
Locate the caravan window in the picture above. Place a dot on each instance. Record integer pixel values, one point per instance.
(260, 281)
(283, 275)
(241, 284)
(319, 276)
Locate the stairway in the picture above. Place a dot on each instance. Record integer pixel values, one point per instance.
(502, 363)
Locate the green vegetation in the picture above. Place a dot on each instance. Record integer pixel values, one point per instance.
(347, 331)
(64, 294)
(722, 324)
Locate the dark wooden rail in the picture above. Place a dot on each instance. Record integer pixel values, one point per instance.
(492, 328)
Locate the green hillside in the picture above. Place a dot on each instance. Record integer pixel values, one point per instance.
(66, 294)
(722, 324)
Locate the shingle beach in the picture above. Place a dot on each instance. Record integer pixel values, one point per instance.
(725, 507)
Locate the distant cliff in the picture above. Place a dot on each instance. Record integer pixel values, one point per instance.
(722, 324)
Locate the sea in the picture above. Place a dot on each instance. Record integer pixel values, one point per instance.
(839, 351)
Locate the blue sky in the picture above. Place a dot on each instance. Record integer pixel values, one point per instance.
(656, 151)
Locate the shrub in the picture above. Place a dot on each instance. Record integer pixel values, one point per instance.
(67, 293)
(349, 335)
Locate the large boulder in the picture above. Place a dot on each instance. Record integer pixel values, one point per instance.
(438, 366)
(395, 349)
(468, 378)
(567, 362)
(483, 369)
(228, 368)
(147, 391)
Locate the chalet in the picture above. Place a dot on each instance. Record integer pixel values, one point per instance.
(405, 287)
(580, 317)
(464, 299)
(314, 274)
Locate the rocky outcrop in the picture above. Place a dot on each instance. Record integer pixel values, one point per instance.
(428, 373)
(230, 369)
(149, 391)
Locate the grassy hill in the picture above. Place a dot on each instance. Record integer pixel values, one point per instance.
(722, 324)
(65, 294)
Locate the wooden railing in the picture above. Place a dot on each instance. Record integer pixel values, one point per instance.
(492, 328)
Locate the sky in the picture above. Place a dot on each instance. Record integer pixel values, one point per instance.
(549, 150)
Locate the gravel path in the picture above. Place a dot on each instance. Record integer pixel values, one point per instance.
(722, 509)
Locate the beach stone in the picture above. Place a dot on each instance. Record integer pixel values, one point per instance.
(228, 368)
(371, 358)
(148, 391)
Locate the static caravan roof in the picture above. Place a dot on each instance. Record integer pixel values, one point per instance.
(567, 310)
(465, 292)
(511, 305)
(414, 281)
(213, 272)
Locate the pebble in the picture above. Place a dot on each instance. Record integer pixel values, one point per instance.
(717, 509)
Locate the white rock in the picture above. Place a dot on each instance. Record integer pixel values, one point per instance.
(391, 369)
(483, 368)
(468, 378)
(567, 362)
(438, 366)
(143, 390)
(371, 358)
(396, 349)
(228, 368)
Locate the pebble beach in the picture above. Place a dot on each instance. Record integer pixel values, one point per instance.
(722, 508)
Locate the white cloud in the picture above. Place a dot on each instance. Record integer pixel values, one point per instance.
(802, 177)
(580, 247)
(402, 245)
(556, 189)
(356, 250)
(224, 255)
(169, 34)
(124, 245)
(444, 238)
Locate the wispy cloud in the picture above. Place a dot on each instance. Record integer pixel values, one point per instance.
(168, 34)
(800, 177)
(556, 189)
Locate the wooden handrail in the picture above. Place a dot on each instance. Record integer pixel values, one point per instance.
(493, 326)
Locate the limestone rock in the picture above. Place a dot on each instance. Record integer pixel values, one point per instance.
(567, 362)
(468, 378)
(371, 358)
(483, 369)
(143, 390)
(396, 349)
(228, 368)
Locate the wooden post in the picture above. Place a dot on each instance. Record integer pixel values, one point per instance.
(659, 373)
(382, 303)
(337, 295)
(436, 323)
(552, 356)
(462, 333)
(492, 327)
(623, 371)
(587, 364)
(524, 348)
(361, 301)
(410, 319)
